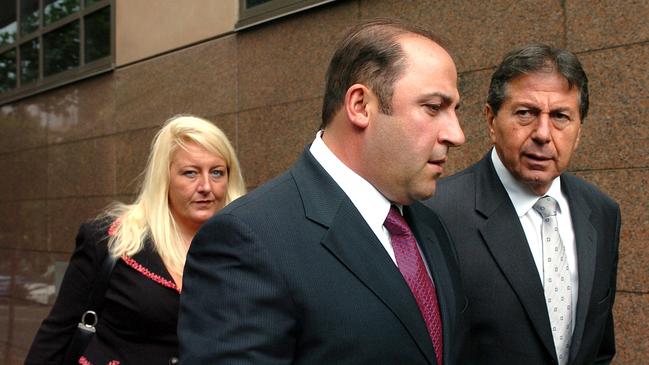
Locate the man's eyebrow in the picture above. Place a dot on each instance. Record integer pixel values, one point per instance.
(562, 109)
(446, 99)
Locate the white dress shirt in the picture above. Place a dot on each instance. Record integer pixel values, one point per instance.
(372, 205)
(523, 200)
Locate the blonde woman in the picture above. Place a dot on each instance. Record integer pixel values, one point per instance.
(192, 172)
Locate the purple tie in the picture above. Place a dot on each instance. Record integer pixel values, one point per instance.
(413, 270)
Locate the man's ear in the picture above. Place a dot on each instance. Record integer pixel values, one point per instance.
(357, 101)
(491, 117)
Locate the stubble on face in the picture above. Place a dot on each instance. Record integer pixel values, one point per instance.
(409, 143)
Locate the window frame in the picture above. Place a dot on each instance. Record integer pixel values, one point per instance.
(82, 71)
(271, 10)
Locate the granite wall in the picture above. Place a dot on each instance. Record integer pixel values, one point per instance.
(67, 153)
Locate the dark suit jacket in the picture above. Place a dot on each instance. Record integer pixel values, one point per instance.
(138, 322)
(292, 274)
(507, 316)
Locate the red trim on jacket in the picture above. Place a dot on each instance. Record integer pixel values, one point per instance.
(113, 227)
(84, 361)
(144, 271)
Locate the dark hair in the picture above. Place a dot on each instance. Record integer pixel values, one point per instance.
(538, 58)
(369, 54)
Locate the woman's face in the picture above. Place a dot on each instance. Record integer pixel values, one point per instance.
(197, 185)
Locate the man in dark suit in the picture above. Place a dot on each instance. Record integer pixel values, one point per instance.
(538, 247)
(303, 270)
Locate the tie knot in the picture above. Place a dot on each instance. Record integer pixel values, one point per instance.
(546, 206)
(395, 223)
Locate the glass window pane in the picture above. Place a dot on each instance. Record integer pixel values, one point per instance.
(54, 10)
(61, 49)
(97, 34)
(8, 70)
(29, 62)
(28, 16)
(7, 22)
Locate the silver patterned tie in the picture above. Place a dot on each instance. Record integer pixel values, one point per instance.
(556, 278)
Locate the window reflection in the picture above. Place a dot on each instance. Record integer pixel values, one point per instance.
(8, 70)
(54, 10)
(97, 35)
(28, 16)
(61, 49)
(7, 22)
(40, 39)
(29, 62)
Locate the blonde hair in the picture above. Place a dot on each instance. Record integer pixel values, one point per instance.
(150, 216)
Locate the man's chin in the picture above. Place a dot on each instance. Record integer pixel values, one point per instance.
(424, 194)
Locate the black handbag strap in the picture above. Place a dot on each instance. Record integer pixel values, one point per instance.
(101, 285)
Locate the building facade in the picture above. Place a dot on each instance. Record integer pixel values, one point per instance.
(74, 136)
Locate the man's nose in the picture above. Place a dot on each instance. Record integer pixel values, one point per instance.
(542, 129)
(452, 133)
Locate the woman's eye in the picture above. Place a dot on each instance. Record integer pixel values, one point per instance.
(190, 173)
(218, 173)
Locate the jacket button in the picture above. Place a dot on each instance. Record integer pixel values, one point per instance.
(173, 361)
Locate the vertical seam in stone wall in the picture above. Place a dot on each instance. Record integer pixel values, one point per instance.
(565, 24)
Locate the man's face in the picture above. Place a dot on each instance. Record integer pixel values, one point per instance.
(537, 128)
(409, 147)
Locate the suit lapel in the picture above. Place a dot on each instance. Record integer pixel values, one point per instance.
(585, 242)
(508, 245)
(430, 244)
(352, 242)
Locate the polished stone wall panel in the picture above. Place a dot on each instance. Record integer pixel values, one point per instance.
(199, 80)
(23, 224)
(65, 216)
(616, 134)
(606, 23)
(132, 150)
(21, 127)
(478, 33)
(24, 175)
(630, 190)
(28, 317)
(633, 266)
(272, 138)
(229, 124)
(286, 60)
(473, 88)
(85, 168)
(79, 111)
(631, 314)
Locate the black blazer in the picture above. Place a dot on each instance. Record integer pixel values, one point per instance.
(292, 274)
(140, 315)
(507, 315)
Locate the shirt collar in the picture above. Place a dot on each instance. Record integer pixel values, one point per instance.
(520, 195)
(372, 205)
